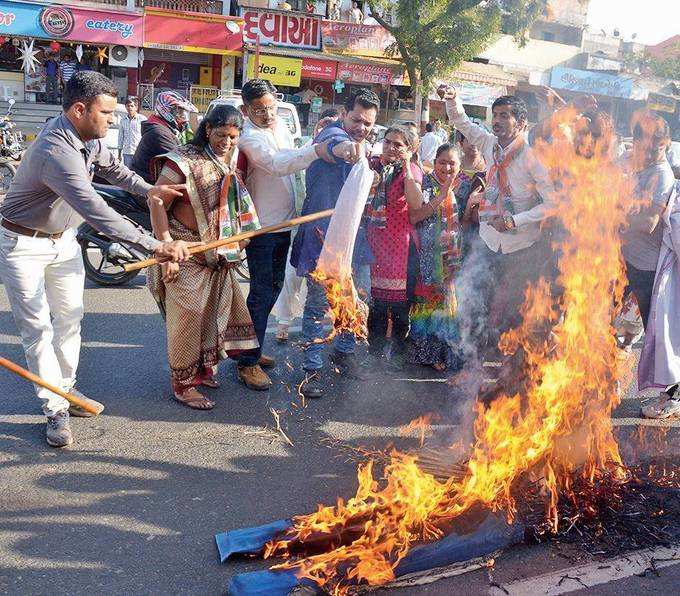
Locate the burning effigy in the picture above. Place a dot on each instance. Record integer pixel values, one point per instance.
(548, 440)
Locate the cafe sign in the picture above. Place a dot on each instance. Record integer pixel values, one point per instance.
(282, 28)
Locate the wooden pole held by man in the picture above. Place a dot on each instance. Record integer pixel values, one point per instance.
(289, 223)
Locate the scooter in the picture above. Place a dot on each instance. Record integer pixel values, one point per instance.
(104, 258)
(11, 148)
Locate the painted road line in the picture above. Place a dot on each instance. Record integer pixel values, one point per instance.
(571, 579)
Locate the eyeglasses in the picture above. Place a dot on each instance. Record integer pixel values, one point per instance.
(264, 111)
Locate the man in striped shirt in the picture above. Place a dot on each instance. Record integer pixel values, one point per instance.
(67, 67)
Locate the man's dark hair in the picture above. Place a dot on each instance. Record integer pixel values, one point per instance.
(365, 98)
(460, 137)
(429, 127)
(221, 115)
(132, 99)
(648, 125)
(256, 88)
(86, 86)
(517, 106)
(330, 113)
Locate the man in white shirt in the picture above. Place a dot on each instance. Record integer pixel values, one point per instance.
(428, 147)
(518, 195)
(272, 167)
(130, 131)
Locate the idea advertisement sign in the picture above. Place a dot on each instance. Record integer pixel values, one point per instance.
(280, 28)
(280, 71)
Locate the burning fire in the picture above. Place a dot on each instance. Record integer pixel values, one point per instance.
(348, 312)
(558, 429)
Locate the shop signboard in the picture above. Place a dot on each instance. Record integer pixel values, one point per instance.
(321, 70)
(661, 103)
(365, 73)
(206, 34)
(355, 39)
(282, 28)
(19, 18)
(70, 23)
(471, 93)
(584, 81)
(92, 26)
(280, 71)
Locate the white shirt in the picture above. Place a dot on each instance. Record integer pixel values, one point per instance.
(428, 147)
(130, 133)
(272, 163)
(529, 182)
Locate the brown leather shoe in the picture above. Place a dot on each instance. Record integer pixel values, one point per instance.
(254, 377)
(266, 361)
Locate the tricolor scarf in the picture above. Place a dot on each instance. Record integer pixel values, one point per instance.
(499, 185)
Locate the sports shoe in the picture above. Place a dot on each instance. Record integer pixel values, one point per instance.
(662, 407)
(254, 377)
(348, 365)
(59, 430)
(78, 412)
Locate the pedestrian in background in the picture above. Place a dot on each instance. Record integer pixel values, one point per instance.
(428, 147)
(130, 131)
(52, 79)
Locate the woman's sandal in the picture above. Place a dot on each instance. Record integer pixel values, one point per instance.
(192, 398)
(210, 382)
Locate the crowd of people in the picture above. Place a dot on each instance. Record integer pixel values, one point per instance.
(455, 229)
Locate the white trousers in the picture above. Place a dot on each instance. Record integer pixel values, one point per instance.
(44, 281)
(290, 302)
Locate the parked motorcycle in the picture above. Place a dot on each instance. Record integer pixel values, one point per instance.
(104, 258)
(11, 148)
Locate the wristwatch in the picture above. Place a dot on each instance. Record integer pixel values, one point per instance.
(509, 222)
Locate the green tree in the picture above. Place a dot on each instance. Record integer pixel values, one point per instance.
(434, 36)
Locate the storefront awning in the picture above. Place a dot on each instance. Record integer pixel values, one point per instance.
(485, 74)
(193, 32)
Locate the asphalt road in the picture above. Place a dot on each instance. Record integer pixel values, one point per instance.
(132, 507)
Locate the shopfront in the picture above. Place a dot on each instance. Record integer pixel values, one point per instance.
(192, 54)
(94, 39)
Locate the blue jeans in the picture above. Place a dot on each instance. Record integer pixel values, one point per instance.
(313, 329)
(267, 266)
(641, 284)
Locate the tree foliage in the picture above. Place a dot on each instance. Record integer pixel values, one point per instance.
(434, 36)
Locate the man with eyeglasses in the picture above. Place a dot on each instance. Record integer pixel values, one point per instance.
(272, 175)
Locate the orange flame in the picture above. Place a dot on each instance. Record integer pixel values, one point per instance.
(560, 425)
(348, 312)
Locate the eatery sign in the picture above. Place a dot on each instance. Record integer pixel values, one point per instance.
(282, 28)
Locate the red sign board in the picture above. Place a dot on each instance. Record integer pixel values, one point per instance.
(92, 26)
(207, 34)
(287, 29)
(325, 70)
(365, 73)
(353, 38)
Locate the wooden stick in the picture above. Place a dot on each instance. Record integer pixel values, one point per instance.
(238, 237)
(29, 376)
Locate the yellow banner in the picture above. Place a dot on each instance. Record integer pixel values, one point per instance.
(280, 71)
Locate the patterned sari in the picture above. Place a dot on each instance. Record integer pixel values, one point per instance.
(434, 329)
(205, 312)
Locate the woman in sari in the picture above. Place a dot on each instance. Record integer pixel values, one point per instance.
(434, 330)
(392, 240)
(205, 313)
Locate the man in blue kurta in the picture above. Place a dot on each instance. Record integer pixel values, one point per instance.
(324, 180)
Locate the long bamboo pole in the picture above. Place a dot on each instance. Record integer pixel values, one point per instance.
(29, 376)
(238, 237)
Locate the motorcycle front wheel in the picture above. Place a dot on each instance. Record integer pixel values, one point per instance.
(7, 171)
(101, 267)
